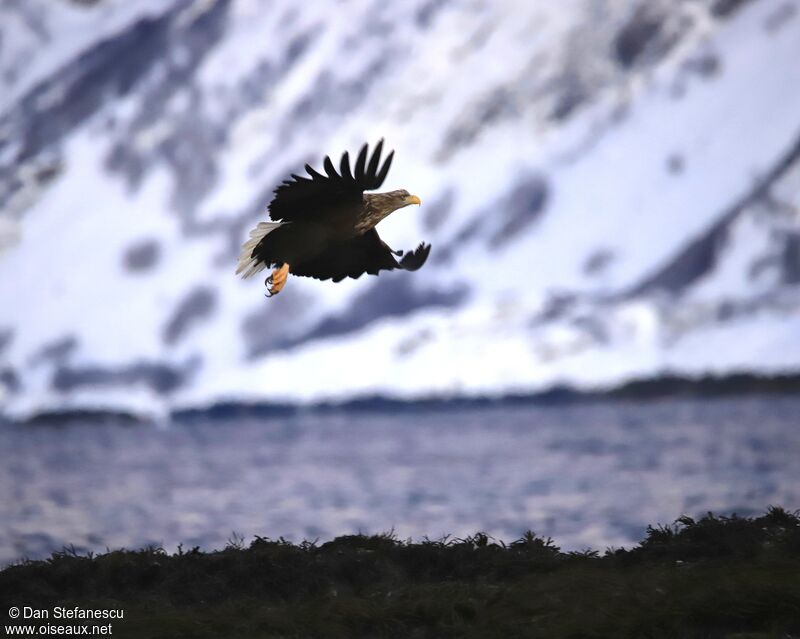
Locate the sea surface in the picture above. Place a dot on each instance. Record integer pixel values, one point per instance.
(590, 476)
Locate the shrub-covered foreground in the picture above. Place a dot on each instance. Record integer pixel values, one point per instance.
(716, 577)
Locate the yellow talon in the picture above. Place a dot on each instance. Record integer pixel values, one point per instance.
(277, 280)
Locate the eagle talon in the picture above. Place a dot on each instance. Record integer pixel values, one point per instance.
(277, 280)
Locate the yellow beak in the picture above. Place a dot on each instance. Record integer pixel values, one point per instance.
(413, 199)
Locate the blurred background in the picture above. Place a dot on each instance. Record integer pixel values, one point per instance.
(611, 189)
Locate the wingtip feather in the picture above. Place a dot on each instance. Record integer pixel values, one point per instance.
(330, 169)
(344, 167)
(361, 162)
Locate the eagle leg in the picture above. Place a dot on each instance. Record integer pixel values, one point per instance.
(277, 280)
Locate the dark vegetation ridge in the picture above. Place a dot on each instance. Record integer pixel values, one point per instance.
(713, 577)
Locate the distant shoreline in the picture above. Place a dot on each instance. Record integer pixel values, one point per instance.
(644, 389)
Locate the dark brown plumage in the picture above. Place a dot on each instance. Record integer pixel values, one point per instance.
(324, 225)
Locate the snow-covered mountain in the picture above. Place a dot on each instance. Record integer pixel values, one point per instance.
(611, 189)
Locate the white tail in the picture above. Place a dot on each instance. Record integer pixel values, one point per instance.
(249, 265)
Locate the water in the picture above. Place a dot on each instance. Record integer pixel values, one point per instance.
(589, 476)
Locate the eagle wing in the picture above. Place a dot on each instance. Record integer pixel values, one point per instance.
(312, 198)
(365, 253)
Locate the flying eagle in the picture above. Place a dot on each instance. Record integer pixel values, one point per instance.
(324, 225)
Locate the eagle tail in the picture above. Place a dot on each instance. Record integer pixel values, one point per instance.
(249, 265)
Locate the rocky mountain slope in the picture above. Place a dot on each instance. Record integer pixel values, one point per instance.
(610, 188)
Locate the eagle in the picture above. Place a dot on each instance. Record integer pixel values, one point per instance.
(323, 226)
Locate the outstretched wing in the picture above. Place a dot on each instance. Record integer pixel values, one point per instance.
(311, 198)
(365, 253)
